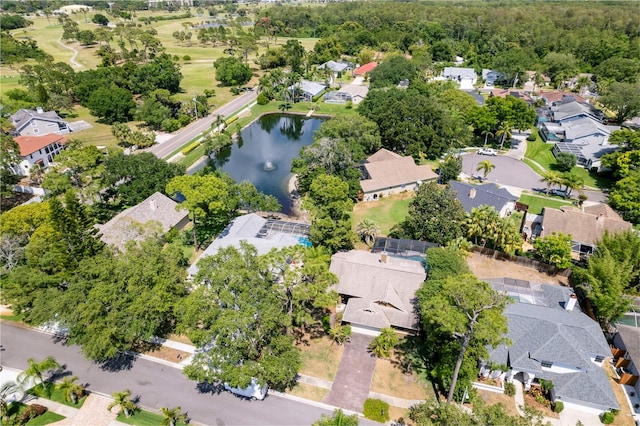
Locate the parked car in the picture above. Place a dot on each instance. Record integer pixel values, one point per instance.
(559, 192)
(254, 391)
(488, 151)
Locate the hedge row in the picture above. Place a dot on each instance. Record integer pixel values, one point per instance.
(190, 148)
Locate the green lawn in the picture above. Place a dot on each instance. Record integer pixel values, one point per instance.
(536, 203)
(142, 418)
(385, 212)
(16, 408)
(55, 395)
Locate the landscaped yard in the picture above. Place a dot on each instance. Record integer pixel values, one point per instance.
(16, 408)
(536, 203)
(306, 391)
(385, 212)
(320, 358)
(493, 398)
(55, 395)
(389, 379)
(142, 418)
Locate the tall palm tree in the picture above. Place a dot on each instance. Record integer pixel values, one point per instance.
(486, 166)
(339, 418)
(486, 133)
(70, 389)
(121, 399)
(172, 416)
(7, 389)
(36, 370)
(551, 179)
(367, 229)
(572, 181)
(504, 132)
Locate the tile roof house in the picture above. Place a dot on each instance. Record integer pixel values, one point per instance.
(366, 68)
(38, 122)
(488, 194)
(585, 227)
(257, 231)
(37, 150)
(154, 216)
(377, 290)
(554, 97)
(307, 90)
(553, 340)
(503, 93)
(465, 77)
(388, 173)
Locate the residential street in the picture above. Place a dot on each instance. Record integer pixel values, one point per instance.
(194, 129)
(156, 384)
(511, 172)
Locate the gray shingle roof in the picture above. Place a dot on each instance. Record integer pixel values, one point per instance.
(158, 208)
(488, 194)
(22, 117)
(245, 228)
(335, 66)
(382, 293)
(455, 72)
(548, 332)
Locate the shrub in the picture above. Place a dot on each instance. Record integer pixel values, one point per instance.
(566, 161)
(509, 389)
(31, 412)
(235, 91)
(326, 323)
(262, 99)
(607, 418)
(376, 410)
(532, 137)
(190, 148)
(558, 407)
(209, 93)
(231, 120)
(170, 125)
(349, 105)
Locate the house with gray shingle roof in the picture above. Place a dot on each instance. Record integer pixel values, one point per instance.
(155, 216)
(465, 77)
(261, 233)
(627, 339)
(336, 67)
(378, 290)
(552, 339)
(29, 122)
(307, 90)
(488, 194)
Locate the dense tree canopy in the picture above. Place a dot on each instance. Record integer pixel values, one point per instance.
(231, 71)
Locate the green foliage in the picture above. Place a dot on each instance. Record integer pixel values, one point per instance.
(231, 71)
(558, 406)
(565, 161)
(36, 370)
(509, 389)
(122, 400)
(172, 416)
(625, 197)
(13, 22)
(31, 412)
(393, 70)
(554, 249)
(340, 334)
(112, 105)
(623, 98)
(338, 418)
(376, 410)
(444, 262)
(100, 19)
(262, 99)
(532, 137)
(435, 215)
(190, 148)
(382, 344)
(450, 168)
(607, 417)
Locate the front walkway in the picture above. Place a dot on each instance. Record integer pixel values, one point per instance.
(355, 372)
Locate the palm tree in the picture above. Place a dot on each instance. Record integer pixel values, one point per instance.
(70, 389)
(172, 416)
(35, 371)
(367, 229)
(36, 174)
(572, 181)
(486, 133)
(486, 166)
(339, 418)
(382, 345)
(7, 389)
(504, 132)
(122, 400)
(551, 179)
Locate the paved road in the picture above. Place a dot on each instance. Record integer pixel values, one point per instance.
(196, 128)
(512, 172)
(156, 384)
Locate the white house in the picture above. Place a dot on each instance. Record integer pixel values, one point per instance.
(38, 122)
(37, 150)
(307, 90)
(465, 77)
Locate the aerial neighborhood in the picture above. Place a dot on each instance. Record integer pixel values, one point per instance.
(319, 213)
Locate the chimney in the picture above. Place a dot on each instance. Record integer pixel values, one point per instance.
(40, 110)
(472, 193)
(383, 257)
(152, 205)
(571, 302)
(600, 216)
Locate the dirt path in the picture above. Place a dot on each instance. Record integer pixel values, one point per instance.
(73, 57)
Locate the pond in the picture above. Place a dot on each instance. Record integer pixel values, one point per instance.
(264, 153)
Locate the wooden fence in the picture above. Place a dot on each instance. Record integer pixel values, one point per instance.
(522, 261)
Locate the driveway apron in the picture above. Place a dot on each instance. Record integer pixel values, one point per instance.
(351, 386)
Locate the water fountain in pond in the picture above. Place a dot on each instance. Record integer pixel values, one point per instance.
(269, 166)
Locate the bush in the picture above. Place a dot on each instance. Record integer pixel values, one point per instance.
(209, 93)
(190, 148)
(31, 412)
(566, 161)
(326, 323)
(231, 120)
(509, 389)
(558, 407)
(170, 125)
(532, 137)
(376, 410)
(349, 105)
(262, 99)
(607, 418)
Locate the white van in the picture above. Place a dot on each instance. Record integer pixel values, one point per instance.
(254, 391)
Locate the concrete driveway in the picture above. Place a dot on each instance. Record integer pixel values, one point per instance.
(353, 379)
